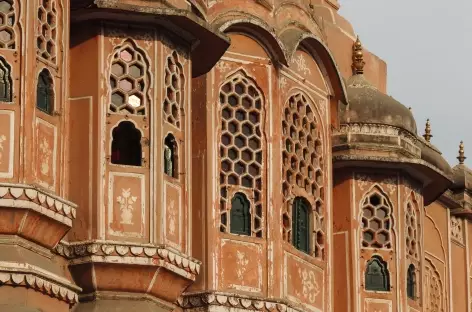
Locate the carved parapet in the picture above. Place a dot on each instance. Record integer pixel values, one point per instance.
(34, 214)
(38, 279)
(230, 302)
(157, 270)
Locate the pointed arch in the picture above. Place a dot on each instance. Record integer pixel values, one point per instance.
(129, 80)
(413, 228)
(377, 219)
(377, 276)
(433, 288)
(293, 37)
(253, 26)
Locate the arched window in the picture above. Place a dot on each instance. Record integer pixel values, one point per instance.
(240, 216)
(303, 168)
(170, 156)
(376, 275)
(45, 92)
(376, 221)
(301, 224)
(5, 81)
(241, 149)
(411, 282)
(126, 145)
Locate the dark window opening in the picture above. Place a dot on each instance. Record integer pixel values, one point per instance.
(126, 145)
(5, 81)
(376, 275)
(170, 156)
(301, 224)
(240, 216)
(45, 92)
(411, 282)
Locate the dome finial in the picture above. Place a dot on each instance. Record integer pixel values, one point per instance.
(357, 58)
(461, 156)
(427, 132)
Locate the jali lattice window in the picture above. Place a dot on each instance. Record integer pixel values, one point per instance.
(377, 277)
(303, 166)
(47, 30)
(301, 224)
(240, 215)
(174, 82)
(5, 81)
(45, 92)
(412, 231)
(128, 81)
(411, 282)
(433, 289)
(7, 21)
(376, 221)
(240, 146)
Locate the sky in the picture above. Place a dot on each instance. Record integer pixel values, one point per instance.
(427, 45)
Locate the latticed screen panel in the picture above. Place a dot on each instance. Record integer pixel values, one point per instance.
(47, 30)
(174, 82)
(412, 231)
(7, 21)
(376, 221)
(433, 289)
(303, 166)
(128, 82)
(241, 147)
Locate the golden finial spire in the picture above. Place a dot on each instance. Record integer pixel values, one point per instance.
(461, 156)
(427, 132)
(357, 58)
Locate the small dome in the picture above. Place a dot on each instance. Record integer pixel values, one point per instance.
(369, 105)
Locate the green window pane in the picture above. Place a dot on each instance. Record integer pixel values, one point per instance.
(376, 275)
(240, 215)
(301, 224)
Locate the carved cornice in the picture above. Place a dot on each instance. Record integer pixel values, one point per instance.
(375, 129)
(30, 276)
(134, 254)
(233, 301)
(20, 196)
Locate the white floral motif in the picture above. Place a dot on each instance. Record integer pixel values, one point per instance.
(44, 156)
(2, 139)
(126, 202)
(172, 217)
(241, 261)
(456, 229)
(362, 182)
(310, 287)
(222, 66)
(301, 64)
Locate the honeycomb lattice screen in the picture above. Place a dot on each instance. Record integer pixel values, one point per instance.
(302, 167)
(7, 21)
(240, 147)
(376, 221)
(128, 81)
(174, 82)
(47, 30)
(412, 231)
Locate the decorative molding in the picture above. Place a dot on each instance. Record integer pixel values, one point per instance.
(134, 254)
(233, 301)
(364, 181)
(20, 196)
(26, 275)
(457, 232)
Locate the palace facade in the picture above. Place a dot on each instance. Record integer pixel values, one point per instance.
(220, 156)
